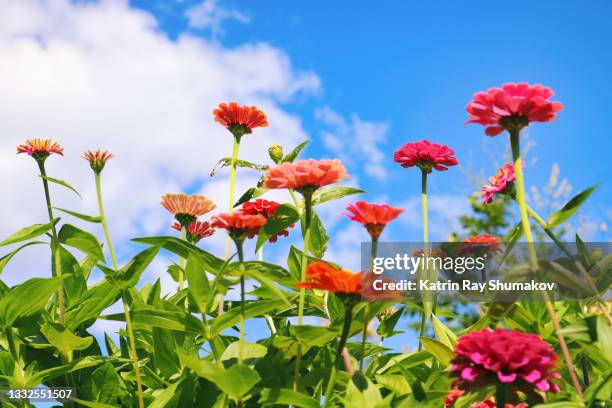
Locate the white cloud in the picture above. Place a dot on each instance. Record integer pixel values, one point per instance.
(356, 141)
(209, 15)
(443, 214)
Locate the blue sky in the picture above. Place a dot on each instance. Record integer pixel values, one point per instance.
(414, 65)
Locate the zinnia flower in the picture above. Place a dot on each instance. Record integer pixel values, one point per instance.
(239, 224)
(266, 208)
(475, 243)
(373, 216)
(522, 361)
(323, 276)
(196, 230)
(502, 183)
(97, 160)
(240, 120)
(40, 149)
(455, 393)
(187, 208)
(513, 106)
(305, 175)
(425, 155)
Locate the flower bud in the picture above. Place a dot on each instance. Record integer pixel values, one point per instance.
(276, 153)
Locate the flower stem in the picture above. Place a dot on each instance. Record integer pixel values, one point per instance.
(424, 314)
(55, 256)
(520, 197)
(366, 310)
(182, 260)
(241, 260)
(501, 395)
(126, 311)
(348, 317)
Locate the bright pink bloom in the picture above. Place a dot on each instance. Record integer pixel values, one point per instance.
(238, 224)
(512, 105)
(196, 230)
(40, 148)
(455, 393)
(305, 174)
(266, 208)
(523, 361)
(425, 155)
(500, 183)
(373, 216)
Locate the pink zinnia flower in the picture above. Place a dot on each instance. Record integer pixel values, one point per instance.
(501, 183)
(425, 155)
(373, 216)
(523, 361)
(97, 160)
(512, 106)
(455, 393)
(305, 175)
(240, 120)
(187, 208)
(266, 208)
(40, 148)
(239, 224)
(196, 230)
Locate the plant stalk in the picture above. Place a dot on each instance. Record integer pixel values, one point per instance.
(242, 289)
(182, 260)
(366, 311)
(424, 316)
(348, 317)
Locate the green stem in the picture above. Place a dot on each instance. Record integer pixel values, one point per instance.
(424, 316)
(501, 395)
(520, 197)
(55, 257)
(241, 260)
(126, 310)
(348, 317)
(8, 332)
(182, 260)
(366, 311)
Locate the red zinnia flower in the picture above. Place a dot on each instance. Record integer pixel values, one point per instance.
(455, 393)
(187, 208)
(512, 105)
(374, 216)
(305, 174)
(40, 148)
(523, 361)
(238, 119)
(323, 276)
(266, 208)
(239, 224)
(487, 242)
(500, 183)
(196, 230)
(97, 160)
(425, 155)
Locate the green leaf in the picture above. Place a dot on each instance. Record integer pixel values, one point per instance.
(250, 351)
(198, 285)
(313, 335)
(61, 183)
(63, 339)
(404, 361)
(268, 283)
(442, 353)
(30, 232)
(361, 392)
(318, 237)
(445, 335)
(164, 397)
(26, 299)
(84, 217)
(386, 328)
(252, 309)
(562, 215)
(91, 404)
(183, 248)
(164, 355)
(91, 304)
(6, 258)
(292, 155)
(44, 376)
(84, 241)
(279, 396)
(333, 193)
(227, 161)
(251, 193)
(284, 216)
(147, 317)
(129, 275)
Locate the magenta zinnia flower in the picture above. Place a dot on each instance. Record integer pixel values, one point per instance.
(425, 155)
(512, 106)
(266, 208)
(501, 183)
(523, 361)
(373, 216)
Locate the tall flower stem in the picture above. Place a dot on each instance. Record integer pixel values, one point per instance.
(424, 314)
(182, 260)
(55, 256)
(520, 197)
(242, 289)
(366, 309)
(126, 310)
(501, 395)
(348, 317)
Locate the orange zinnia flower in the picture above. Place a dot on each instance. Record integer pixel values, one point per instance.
(323, 276)
(305, 175)
(40, 148)
(239, 224)
(373, 216)
(487, 242)
(97, 159)
(187, 208)
(240, 120)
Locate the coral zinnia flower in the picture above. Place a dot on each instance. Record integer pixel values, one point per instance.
(239, 224)
(512, 106)
(374, 216)
(486, 242)
(323, 276)
(238, 119)
(40, 148)
(425, 155)
(305, 175)
(502, 183)
(266, 208)
(523, 361)
(196, 230)
(187, 208)
(97, 159)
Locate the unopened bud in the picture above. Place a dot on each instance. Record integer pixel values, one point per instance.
(276, 153)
